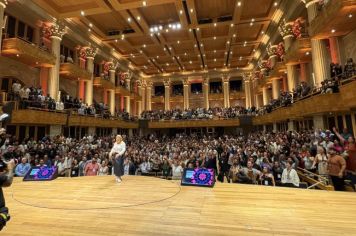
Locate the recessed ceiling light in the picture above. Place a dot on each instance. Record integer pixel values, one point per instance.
(333, 31)
(234, 35)
(141, 51)
(201, 45)
(151, 35)
(167, 30)
(17, 55)
(215, 24)
(190, 62)
(191, 10)
(144, 45)
(181, 12)
(350, 15)
(307, 53)
(232, 25)
(89, 30)
(275, 4)
(115, 40)
(214, 37)
(144, 3)
(214, 59)
(214, 51)
(239, 4)
(190, 30)
(178, 42)
(90, 25)
(82, 13)
(129, 19)
(198, 29)
(138, 18)
(157, 57)
(185, 54)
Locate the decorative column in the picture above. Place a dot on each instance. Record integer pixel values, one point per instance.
(265, 96)
(272, 54)
(3, 4)
(304, 72)
(321, 59)
(335, 50)
(149, 95)
(186, 94)
(127, 98)
(143, 95)
(81, 83)
(276, 87)
(110, 67)
(55, 32)
(286, 31)
(167, 87)
(139, 103)
(206, 92)
(89, 53)
(226, 87)
(247, 91)
(292, 77)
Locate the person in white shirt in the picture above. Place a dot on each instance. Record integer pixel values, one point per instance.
(117, 155)
(290, 176)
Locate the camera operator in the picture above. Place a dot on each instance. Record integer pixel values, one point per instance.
(6, 177)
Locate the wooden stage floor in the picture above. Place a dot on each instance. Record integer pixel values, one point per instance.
(152, 206)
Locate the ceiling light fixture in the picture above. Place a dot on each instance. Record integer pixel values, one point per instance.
(231, 25)
(333, 31)
(181, 12)
(215, 24)
(275, 4)
(82, 13)
(129, 19)
(191, 10)
(90, 25)
(138, 18)
(350, 15)
(239, 4)
(144, 3)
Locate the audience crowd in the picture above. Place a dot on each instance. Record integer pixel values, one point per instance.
(259, 158)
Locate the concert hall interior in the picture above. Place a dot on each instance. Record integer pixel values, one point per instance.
(177, 117)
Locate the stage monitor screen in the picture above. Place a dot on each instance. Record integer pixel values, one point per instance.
(198, 177)
(41, 173)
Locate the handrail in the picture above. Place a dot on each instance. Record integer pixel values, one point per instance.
(315, 180)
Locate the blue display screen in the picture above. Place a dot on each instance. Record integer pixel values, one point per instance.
(198, 177)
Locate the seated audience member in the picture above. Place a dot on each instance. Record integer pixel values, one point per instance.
(177, 170)
(249, 175)
(145, 167)
(277, 173)
(75, 168)
(22, 168)
(290, 176)
(103, 169)
(266, 178)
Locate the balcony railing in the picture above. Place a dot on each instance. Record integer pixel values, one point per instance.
(27, 53)
(73, 72)
(103, 83)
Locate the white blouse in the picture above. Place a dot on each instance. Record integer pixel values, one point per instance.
(119, 149)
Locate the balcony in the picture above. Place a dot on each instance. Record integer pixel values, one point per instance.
(315, 105)
(216, 96)
(157, 99)
(236, 94)
(38, 117)
(135, 96)
(73, 72)
(334, 15)
(299, 52)
(193, 123)
(90, 121)
(103, 83)
(176, 98)
(122, 91)
(27, 53)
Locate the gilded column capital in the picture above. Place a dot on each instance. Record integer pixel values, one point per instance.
(55, 29)
(88, 52)
(186, 82)
(308, 3)
(166, 82)
(286, 29)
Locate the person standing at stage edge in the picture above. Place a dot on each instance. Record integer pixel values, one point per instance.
(336, 168)
(117, 155)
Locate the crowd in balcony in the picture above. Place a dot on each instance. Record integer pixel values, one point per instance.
(33, 97)
(270, 158)
(303, 90)
(196, 113)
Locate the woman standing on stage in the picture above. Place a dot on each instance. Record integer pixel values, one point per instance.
(117, 156)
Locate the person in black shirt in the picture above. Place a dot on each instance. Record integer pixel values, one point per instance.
(6, 177)
(224, 167)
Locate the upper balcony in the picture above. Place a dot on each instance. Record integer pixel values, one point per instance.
(135, 96)
(103, 83)
(176, 98)
(334, 19)
(27, 53)
(157, 99)
(299, 52)
(122, 91)
(216, 96)
(165, 124)
(236, 94)
(73, 72)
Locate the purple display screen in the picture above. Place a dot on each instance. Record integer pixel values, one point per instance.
(41, 173)
(199, 177)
